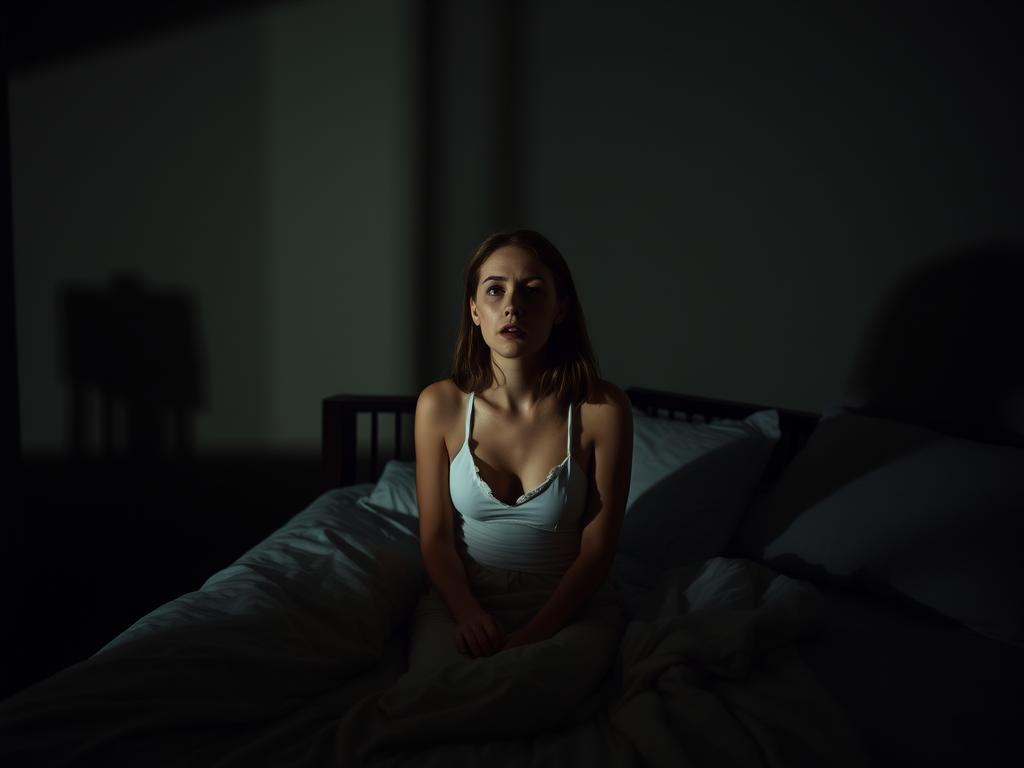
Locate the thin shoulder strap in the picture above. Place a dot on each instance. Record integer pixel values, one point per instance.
(568, 446)
(469, 413)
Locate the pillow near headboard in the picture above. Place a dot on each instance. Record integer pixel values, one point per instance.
(396, 489)
(897, 508)
(691, 483)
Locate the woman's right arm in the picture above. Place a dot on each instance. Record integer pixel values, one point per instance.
(476, 631)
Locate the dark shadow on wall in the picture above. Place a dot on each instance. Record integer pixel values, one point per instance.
(471, 83)
(132, 516)
(429, 162)
(133, 509)
(946, 349)
(134, 369)
(509, 112)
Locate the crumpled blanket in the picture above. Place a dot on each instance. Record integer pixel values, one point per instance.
(713, 679)
(704, 675)
(284, 657)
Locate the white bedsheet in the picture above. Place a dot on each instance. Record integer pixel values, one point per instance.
(261, 665)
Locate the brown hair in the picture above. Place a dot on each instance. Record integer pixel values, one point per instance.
(570, 366)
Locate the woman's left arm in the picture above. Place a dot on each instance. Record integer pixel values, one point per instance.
(611, 423)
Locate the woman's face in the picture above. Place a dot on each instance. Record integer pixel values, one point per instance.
(516, 304)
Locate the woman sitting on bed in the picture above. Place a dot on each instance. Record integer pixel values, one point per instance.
(522, 472)
(522, 459)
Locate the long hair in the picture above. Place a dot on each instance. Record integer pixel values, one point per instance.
(570, 365)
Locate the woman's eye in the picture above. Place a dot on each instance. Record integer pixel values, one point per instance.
(497, 290)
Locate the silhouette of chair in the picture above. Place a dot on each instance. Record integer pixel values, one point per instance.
(135, 352)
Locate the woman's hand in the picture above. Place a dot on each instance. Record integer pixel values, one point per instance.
(478, 634)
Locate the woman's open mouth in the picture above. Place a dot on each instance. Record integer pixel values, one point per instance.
(512, 332)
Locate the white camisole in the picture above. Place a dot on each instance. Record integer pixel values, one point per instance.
(539, 533)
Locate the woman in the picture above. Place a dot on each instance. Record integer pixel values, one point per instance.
(522, 472)
(501, 425)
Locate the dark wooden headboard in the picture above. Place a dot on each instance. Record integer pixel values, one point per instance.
(339, 447)
(345, 417)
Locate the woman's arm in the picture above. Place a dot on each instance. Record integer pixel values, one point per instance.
(476, 630)
(611, 423)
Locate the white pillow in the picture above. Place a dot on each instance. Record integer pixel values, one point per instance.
(901, 509)
(396, 489)
(691, 484)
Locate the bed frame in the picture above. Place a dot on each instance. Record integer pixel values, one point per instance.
(346, 417)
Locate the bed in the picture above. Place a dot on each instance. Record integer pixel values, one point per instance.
(800, 589)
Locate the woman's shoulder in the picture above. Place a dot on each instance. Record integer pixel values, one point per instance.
(607, 409)
(440, 402)
(605, 396)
